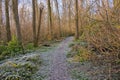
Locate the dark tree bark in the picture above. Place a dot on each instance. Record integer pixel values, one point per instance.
(76, 19)
(0, 12)
(16, 19)
(0, 17)
(39, 25)
(34, 23)
(50, 19)
(7, 20)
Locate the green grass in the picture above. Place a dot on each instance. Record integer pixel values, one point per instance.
(78, 75)
(45, 49)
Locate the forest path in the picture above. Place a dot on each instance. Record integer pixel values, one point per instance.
(54, 65)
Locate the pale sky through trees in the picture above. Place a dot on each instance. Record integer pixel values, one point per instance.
(28, 5)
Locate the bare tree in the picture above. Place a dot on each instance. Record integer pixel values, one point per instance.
(37, 12)
(7, 20)
(0, 16)
(16, 19)
(34, 23)
(50, 18)
(76, 19)
(0, 12)
(64, 16)
(39, 25)
(69, 6)
(58, 13)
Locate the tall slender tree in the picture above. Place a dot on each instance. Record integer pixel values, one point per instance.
(0, 16)
(50, 18)
(39, 25)
(16, 19)
(7, 20)
(34, 23)
(76, 20)
(58, 17)
(69, 6)
(37, 12)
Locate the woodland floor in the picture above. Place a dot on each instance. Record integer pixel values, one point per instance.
(54, 66)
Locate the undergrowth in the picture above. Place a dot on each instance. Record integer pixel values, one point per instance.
(21, 69)
(79, 53)
(12, 48)
(100, 45)
(78, 75)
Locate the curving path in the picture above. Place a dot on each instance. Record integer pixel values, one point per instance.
(54, 62)
(59, 70)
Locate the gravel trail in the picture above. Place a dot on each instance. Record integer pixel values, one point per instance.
(59, 69)
(54, 62)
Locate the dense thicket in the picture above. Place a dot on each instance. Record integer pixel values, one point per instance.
(96, 22)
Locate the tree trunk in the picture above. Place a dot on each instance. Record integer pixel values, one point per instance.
(16, 19)
(58, 13)
(76, 19)
(39, 26)
(7, 20)
(17, 23)
(36, 13)
(50, 19)
(34, 23)
(0, 17)
(70, 16)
